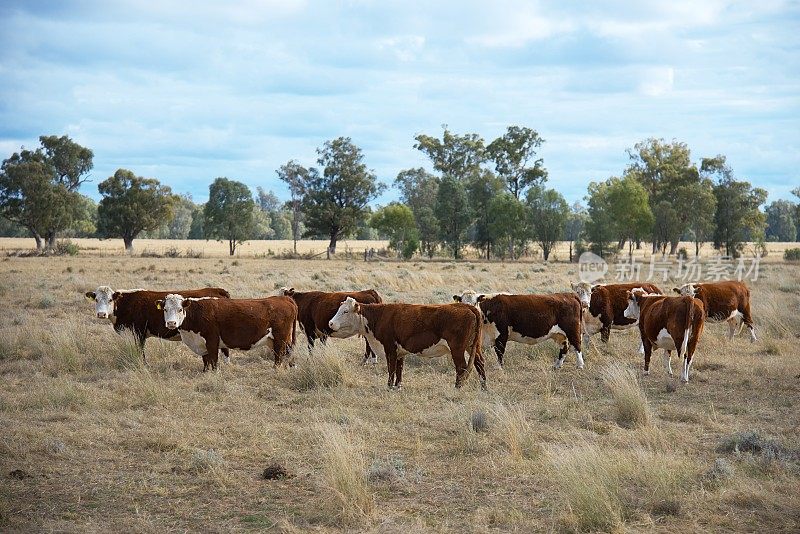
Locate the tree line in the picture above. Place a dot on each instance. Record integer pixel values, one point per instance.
(492, 196)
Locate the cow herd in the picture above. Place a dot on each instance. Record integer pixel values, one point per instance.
(208, 321)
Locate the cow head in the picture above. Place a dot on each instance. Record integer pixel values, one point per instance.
(348, 320)
(686, 290)
(467, 297)
(286, 292)
(584, 292)
(103, 298)
(633, 310)
(174, 307)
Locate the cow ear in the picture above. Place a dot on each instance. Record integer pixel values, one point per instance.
(456, 298)
(574, 286)
(91, 295)
(116, 295)
(357, 308)
(596, 286)
(481, 298)
(159, 304)
(185, 303)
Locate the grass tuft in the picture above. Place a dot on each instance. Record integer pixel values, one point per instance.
(343, 473)
(324, 368)
(514, 431)
(631, 407)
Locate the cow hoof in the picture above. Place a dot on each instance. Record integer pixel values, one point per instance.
(646, 372)
(580, 366)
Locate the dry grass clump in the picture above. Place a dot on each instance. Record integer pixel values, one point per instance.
(344, 475)
(324, 368)
(631, 406)
(753, 442)
(514, 431)
(124, 352)
(55, 394)
(601, 488)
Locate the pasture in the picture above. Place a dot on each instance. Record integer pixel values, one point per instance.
(94, 440)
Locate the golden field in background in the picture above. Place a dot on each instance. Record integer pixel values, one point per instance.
(94, 440)
(261, 248)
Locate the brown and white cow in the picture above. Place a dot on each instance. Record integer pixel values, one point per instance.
(668, 323)
(606, 305)
(316, 308)
(135, 310)
(395, 330)
(209, 324)
(724, 301)
(531, 319)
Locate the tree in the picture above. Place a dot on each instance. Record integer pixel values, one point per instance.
(482, 187)
(548, 213)
(84, 223)
(180, 226)
(296, 177)
(337, 200)
(132, 204)
(262, 224)
(514, 155)
(508, 226)
(396, 221)
(599, 226)
(737, 217)
(457, 156)
(197, 229)
(698, 202)
(418, 189)
(781, 223)
(229, 213)
(573, 228)
(280, 219)
(453, 213)
(628, 203)
(38, 189)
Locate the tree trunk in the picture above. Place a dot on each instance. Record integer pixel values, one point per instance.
(673, 247)
(38, 239)
(630, 251)
(697, 249)
(231, 247)
(655, 246)
(545, 252)
(570, 251)
(488, 251)
(128, 240)
(332, 244)
(51, 240)
(638, 244)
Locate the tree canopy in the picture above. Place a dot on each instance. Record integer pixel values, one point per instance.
(228, 213)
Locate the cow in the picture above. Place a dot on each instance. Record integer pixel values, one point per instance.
(469, 296)
(135, 310)
(208, 324)
(723, 301)
(530, 319)
(316, 308)
(395, 330)
(668, 323)
(605, 304)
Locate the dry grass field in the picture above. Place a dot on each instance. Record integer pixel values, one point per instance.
(95, 441)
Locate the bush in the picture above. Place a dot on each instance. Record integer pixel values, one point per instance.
(791, 254)
(630, 402)
(66, 248)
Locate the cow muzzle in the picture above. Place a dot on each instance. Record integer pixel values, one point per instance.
(331, 326)
(102, 315)
(172, 325)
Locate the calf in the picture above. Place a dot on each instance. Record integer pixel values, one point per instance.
(208, 324)
(135, 310)
(395, 330)
(605, 304)
(316, 308)
(724, 301)
(532, 319)
(669, 323)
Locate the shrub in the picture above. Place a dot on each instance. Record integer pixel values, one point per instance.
(344, 474)
(791, 254)
(630, 402)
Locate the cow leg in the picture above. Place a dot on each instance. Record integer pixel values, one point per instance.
(226, 355)
(280, 345)
(480, 367)
(574, 339)
(562, 355)
(668, 361)
(641, 347)
(500, 344)
(213, 352)
(369, 354)
(398, 372)
(687, 360)
(605, 332)
(648, 351)
(460, 356)
(311, 335)
(206, 362)
(731, 328)
(391, 363)
(748, 320)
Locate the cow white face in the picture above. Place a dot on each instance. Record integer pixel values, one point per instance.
(584, 292)
(686, 290)
(632, 311)
(174, 307)
(103, 298)
(285, 292)
(467, 297)
(347, 321)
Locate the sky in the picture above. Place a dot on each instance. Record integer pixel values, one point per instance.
(189, 91)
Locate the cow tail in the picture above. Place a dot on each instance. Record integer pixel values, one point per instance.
(476, 343)
(687, 328)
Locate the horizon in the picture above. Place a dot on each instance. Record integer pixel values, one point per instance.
(237, 91)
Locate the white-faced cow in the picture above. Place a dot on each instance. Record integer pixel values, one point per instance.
(396, 330)
(723, 301)
(605, 304)
(530, 319)
(135, 310)
(668, 323)
(316, 308)
(209, 324)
